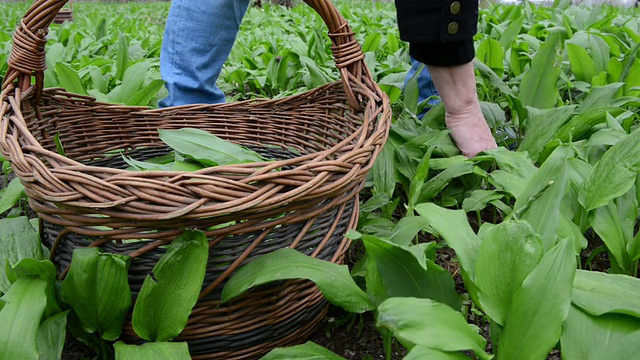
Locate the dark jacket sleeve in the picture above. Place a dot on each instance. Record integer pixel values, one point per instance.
(439, 32)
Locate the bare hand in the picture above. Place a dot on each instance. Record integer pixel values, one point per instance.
(470, 132)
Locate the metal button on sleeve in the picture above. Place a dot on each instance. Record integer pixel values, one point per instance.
(453, 27)
(454, 8)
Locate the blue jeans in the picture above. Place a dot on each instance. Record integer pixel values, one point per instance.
(426, 87)
(198, 38)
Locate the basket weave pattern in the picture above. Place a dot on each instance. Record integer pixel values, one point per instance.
(321, 142)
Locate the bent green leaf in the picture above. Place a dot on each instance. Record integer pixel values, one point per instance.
(454, 227)
(51, 336)
(430, 324)
(422, 352)
(405, 275)
(610, 336)
(599, 293)
(166, 299)
(97, 288)
(539, 307)
(539, 85)
(18, 240)
(306, 351)
(11, 195)
(152, 351)
(509, 251)
(614, 174)
(333, 280)
(20, 314)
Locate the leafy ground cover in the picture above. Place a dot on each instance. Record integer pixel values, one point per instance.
(529, 251)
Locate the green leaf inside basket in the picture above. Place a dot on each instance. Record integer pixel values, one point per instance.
(207, 148)
(166, 299)
(333, 280)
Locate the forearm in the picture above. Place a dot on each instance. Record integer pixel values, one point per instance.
(456, 86)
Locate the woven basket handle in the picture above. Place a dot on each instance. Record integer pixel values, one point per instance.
(27, 56)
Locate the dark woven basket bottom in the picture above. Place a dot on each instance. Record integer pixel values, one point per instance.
(278, 314)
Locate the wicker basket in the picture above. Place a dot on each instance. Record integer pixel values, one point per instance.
(64, 15)
(323, 141)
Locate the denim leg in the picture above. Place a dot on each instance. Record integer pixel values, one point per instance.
(198, 38)
(426, 87)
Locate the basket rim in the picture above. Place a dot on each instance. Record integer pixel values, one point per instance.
(77, 187)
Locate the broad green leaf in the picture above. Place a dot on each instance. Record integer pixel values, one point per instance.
(568, 229)
(418, 179)
(122, 56)
(434, 185)
(152, 351)
(493, 114)
(539, 307)
(539, 85)
(410, 91)
(306, 351)
(18, 240)
(42, 269)
(317, 76)
(599, 293)
(621, 347)
(11, 195)
(423, 352)
(582, 65)
(383, 172)
(97, 288)
(614, 174)
(20, 315)
(606, 223)
(430, 324)
(166, 299)
(406, 230)
(491, 53)
(494, 79)
(333, 280)
(581, 124)
(515, 162)
(132, 82)
(371, 42)
(99, 81)
(185, 166)
(146, 94)
(207, 148)
(376, 289)
(511, 32)
(542, 126)
(453, 226)
(54, 56)
(629, 64)
(507, 182)
(69, 79)
(633, 248)
(539, 202)
(479, 199)
(100, 97)
(607, 137)
(508, 253)
(600, 97)
(584, 335)
(406, 275)
(51, 336)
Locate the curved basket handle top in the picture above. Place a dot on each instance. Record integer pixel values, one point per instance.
(27, 56)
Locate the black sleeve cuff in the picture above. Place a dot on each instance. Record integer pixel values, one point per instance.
(443, 54)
